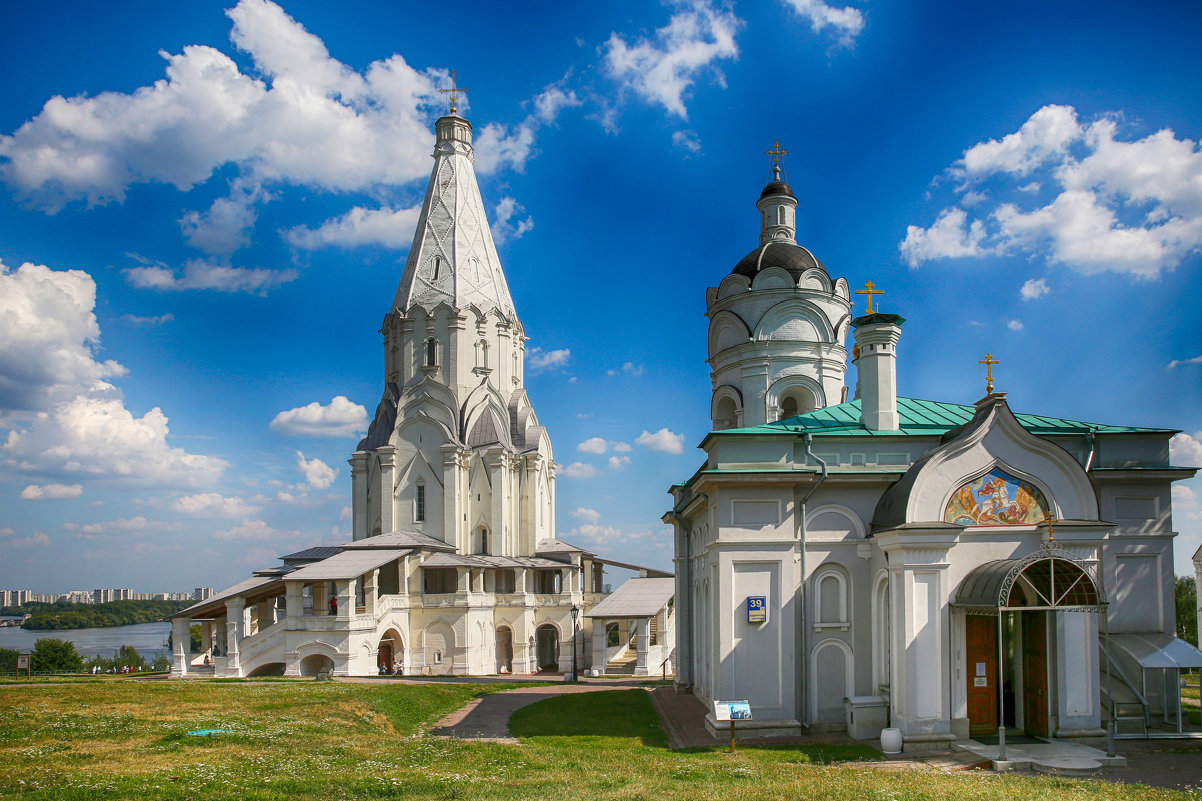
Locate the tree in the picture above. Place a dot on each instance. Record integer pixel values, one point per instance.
(1187, 609)
(128, 656)
(55, 656)
(8, 660)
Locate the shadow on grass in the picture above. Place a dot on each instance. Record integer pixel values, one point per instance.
(801, 753)
(610, 714)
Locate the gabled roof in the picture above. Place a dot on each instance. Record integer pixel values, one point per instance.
(557, 546)
(311, 554)
(920, 418)
(638, 597)
(399, 539)
(216, 603)
(347, 565)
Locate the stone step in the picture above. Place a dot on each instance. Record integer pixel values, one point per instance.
(1067, 766)
(959, 760)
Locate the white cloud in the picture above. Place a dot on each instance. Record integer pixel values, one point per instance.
(127, 525)
(319, 474)
(591, 515)
(948, 238)
(593, 445)
(1186, 450)
(1182, 362)
(161, 319)
(552, 100)
(212, 504)
(48, 492)
(846, 22)
(202, 274)
(1014, 325)
(502, 229)
(226, 226)
(254, 531)
(1129, 207)
(662, 440)
(386, 227)
(539, 359)
(341, 418)
(1034, 289)
(578, 470)
(662, 68)
(618, 462)
(687, 140)
(630, 369)
(622, 447)
(48, 337)
(36, 540)
(345, 514)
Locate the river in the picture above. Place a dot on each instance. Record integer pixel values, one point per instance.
(148, 638)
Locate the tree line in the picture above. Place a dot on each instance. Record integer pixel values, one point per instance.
(59, 656)
(63, 616)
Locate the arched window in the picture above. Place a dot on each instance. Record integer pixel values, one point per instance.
(780, 215)
(482, 547)
(431, 352)
(482, 353)
(437, 267)
(419, 503)
(830, 600)
(788, 408)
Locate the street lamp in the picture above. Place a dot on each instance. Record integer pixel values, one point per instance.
(575, 615)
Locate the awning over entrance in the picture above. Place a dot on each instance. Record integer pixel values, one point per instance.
(1157, 650)
(1045, 579)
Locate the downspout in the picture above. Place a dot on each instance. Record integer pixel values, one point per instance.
(808, 440)
(1092, 441)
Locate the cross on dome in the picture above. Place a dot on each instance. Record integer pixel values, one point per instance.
(776, 153)
(869, 291)
(989, 362)
(453, 91)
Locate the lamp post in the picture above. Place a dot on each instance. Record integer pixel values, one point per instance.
(575, 616)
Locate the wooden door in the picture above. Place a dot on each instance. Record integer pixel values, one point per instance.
(1035, 673)
(981, 673)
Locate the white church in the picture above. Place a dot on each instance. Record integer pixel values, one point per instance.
(944, 569)
(454, 566)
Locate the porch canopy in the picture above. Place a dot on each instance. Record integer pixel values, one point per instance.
(1047, 579)
(1156, 650)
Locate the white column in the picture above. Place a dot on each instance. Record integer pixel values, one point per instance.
(294, 602)
(642, 636)
(181, 645)
(599, 644)
(358, 464)
(265, 613)
(234, 609)
(371, 591)
(321, 599)
(346, 598)
(387, 455)
(206, 636)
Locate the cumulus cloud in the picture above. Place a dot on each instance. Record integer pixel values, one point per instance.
(662, 68)
(1125, 206)
(1173, 365)
(340, 418)
(36, 540)
(618, 462)
(846, 23)
(319, 474)
(687, 140)
(591, 515)
(384, 226)
(203, 274)
(593, 445)
(622, 447)
(553, 99)
(127, 525)
(662, 440)
(158, 320)
(1014, 325)
(538, 359)
(212, 504)
(51, 492)
(48, 337)
(254, 531)
(1034, 289)
(1186, 449)
(578, 470)
(505, 226)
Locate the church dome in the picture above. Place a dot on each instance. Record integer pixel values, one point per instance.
(777, 188)
(777, 253)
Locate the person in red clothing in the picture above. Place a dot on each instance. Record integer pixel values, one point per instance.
(334, 605)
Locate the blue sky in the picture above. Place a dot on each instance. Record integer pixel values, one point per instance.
(215, 207)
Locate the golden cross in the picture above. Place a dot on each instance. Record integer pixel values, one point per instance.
(869, 291)
(453, 91)
(1049, 519)
(989, 362)
(776, 152)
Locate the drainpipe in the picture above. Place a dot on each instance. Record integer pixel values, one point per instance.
(1092, 441)
(801, 535)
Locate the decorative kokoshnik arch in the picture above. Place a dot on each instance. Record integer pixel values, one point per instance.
(1047, 580)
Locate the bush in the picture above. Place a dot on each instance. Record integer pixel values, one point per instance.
(55, 656)
(8, 660)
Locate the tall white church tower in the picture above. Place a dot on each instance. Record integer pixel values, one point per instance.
(777, 324)
(455, 451)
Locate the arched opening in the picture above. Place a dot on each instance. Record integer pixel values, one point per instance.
(482, 541)
(504, 649)
(268, 669)
(313, 664)
(612, 635)
(390, 655)
(726, 415)
(547, 647)
(796, 400)
(788, 408)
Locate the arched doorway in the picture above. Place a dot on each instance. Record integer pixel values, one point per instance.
(390, 655)
(547, 647)
(504, 649)
(313, 664)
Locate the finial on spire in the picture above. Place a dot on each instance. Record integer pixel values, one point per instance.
(453, 91)
(989, 362)
(869, 291)
(776, 152)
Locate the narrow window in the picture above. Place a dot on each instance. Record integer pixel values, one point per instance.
(437, 265)
(431, 352)
(419, 512)
(780, 215)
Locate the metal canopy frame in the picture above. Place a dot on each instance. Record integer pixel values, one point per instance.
(989, 588)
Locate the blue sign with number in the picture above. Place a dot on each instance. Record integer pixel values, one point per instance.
(757, 609)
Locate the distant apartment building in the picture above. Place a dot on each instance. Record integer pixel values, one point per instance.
(202, 593)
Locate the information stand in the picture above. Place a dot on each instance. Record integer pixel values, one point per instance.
(732, 711)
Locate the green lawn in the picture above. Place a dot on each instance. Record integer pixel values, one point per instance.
(337, 741)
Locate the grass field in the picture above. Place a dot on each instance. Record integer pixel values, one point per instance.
(331, 742)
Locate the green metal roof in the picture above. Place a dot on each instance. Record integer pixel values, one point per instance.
(921, 418)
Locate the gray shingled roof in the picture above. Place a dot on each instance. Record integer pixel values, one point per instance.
(638, 597)
(400, 539)
(217, 602)
(347, 565)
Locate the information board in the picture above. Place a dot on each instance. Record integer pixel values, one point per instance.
(732, 710)
(757, 609)
(22, 661)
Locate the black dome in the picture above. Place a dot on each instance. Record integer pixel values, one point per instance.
(793, 258)
(777, 188)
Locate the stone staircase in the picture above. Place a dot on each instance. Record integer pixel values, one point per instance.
(622, 666)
